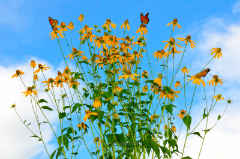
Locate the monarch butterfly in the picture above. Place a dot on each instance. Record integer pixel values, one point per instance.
(53, 22)
(144, 18)
(203, 73)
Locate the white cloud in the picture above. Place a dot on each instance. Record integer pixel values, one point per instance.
(236, 8)
(222, 141)
(15, 138)
(227, 37)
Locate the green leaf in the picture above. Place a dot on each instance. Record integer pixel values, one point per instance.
(75, 153)
(165, 151)
(120, 138)
(187, 121)
(197, 133)
(169, 108)
(187, 157)
(163, 65)
(61, 115)
(206, 130)
(204, 113)
(219, 117)
(65, 107)
(52, 155)
(59, 140)
(83, 61)
(46, 107)
(155, 146)
(42, 101)
(59, 152)
(65, 141)
(35, 136)
(76, 106)
(149, 81)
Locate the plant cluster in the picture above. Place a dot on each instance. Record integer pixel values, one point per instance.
(106, 97)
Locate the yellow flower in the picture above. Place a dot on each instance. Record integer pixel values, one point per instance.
(63, 26)
(125, 25)
(89, 114)
(124, 48)
(215, 80)
(73, 83)
(84, 58)
(171, 43)
(88, 35)
(49, 82)
(185, 70)
(117, 89)
(142, 30)
(33, 64)
(81, 17)
(71, 56)
(165, 127)
(174, 23)
(188, 40)
(173, 128)
(172, 51)
(18, 73)
(137, 54)
(145, 88)
(30, 90)
(127, 74)
(54, 34)
(177, 84)
(115, 116)
(197, 80)
(67, 72)
(75, 53)
(182, 114)
(59, 80)
(35, 77)
(97, 103)
(218, 97)
(70, 26)
(41, 67)
(97, 141)
(169, 93)
(145, 74)
(82, 126)
(158, 80)
(155, 88)
(154, 116)
(107, 25)
(217, 52)
(160, 54)
(86, 29)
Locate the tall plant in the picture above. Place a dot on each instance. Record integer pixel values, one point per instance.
(110, 96)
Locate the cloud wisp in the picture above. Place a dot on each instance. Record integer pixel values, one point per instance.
(14, 136)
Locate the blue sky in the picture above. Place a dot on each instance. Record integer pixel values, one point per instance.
(24, 28)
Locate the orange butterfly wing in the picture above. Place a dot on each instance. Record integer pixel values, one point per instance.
(144, 18)
(53, 22)
(203, 73)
